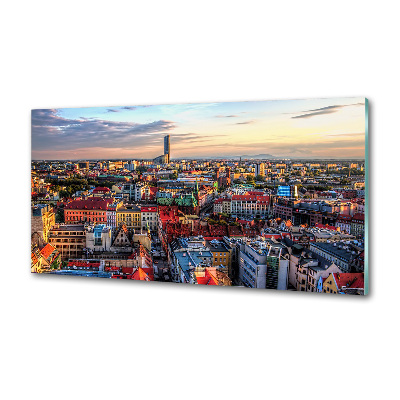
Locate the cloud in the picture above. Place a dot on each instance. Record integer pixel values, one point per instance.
(347, 134)
(112, 110)
(128, 108)
(319, 111)
(324, 110)
(244, 123)
(226, 116)
(52, 132)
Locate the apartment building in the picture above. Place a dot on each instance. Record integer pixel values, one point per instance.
(263, 265)
(91, 210)
(149, 217)
(130, 215)
(69, 240)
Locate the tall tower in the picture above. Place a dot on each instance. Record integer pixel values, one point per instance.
(167, 148)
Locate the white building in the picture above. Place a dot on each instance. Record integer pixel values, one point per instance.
(111, 214)
(149, 217)
(98, 238)
(263, 265)
(250, 206)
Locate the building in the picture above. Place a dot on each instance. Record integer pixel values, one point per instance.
(250, 205)
(101, 192)
(167, 149)
(149, 217)
(69, 240)
(185, 261)
(343, 222)
(339, 253)
(344, 283)
(221, 255)
(218, 206)
(357, 225)
(309, 272)
(98, 238)
(111, 214)
(263, 265)
(44, 258)
(91, 210)
(83, 166)
(211, 276)
(130, 215)
(42, 220)
(260, 169)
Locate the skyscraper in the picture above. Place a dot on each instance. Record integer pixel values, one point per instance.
(167, 148)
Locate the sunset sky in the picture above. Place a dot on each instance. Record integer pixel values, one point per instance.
(313, 128)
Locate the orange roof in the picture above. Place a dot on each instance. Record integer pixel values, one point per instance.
(47, 250)
(140, 275)
(209, 277)
(34, 258)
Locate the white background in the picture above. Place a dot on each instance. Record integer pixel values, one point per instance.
(66, 338)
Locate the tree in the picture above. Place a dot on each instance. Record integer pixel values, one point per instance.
(260, 178)
(60, 216)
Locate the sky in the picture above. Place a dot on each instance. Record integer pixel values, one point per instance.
(310, 128)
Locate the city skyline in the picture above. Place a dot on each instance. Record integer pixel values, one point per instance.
(309, 128)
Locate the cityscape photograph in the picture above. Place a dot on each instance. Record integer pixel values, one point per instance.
(254, 194)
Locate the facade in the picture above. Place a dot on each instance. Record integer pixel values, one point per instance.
(91, 210)
(42, 220)
(69, 240)
(260, 169)
(111, 214)
(344, 283)
(309, 273)
(250, 206)
(98, 238)
(218, 206)
(226, 206)
(149, 217)
(357, 225)
(343, 222)
(129, 215)
(221, 255)
(263, 265)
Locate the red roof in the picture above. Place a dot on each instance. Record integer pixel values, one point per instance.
(47, 250)
(349, 280)
(92, 203)
(101, 189)
(358, 217)
(244, 197)
(140, 275)
(331, 228)
(81, 263)
(344, 218)
(149, 209)
(209, 277)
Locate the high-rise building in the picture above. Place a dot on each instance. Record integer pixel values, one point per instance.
(260, 169)
(167, 148)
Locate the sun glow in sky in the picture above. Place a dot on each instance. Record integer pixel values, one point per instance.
(312, 128)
